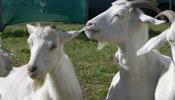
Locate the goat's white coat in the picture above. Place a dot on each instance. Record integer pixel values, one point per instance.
(60, 82)
(138, 76)
(166, 86)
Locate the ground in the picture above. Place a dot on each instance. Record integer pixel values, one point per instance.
(94, 69)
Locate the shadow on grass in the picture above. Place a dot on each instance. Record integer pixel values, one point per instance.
(83, 36)
(14, 33)
(20, 32)
(153, 33)
(155, 30)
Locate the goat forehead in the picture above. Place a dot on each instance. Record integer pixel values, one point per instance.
(49, 36)
(120, 9)
(44, 35)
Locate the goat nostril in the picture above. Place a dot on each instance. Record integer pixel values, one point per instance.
(89, 24)
(33, 69)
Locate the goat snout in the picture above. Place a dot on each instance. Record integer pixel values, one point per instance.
(32, 69)
(91, 27)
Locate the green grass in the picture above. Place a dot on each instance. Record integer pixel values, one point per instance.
(94, 69)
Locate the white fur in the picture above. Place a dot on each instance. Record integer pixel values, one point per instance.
(166, 86)
(54, 78)
(127, 27)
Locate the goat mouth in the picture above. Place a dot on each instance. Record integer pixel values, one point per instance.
(91, 29)
(32, 75)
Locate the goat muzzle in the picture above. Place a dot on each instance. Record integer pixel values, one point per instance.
(91, 27)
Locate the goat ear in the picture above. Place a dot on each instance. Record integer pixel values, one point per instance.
(64, 36)
(150, 20)
(30, 28)
(153, 43)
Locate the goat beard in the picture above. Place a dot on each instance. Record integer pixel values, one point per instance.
(38, 83)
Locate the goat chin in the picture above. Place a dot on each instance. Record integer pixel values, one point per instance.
(38, 83)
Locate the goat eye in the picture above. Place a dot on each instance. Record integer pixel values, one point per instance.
(30, 44)
(172, 41)
(116, 17)
(52, 45)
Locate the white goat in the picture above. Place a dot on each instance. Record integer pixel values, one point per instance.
(5, 64)
(49, 75)
(166, 86)
(126, 25)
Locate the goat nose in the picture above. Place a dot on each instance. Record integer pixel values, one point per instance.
(32, 69)
(90, 24)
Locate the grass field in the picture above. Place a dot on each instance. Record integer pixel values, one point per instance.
(94, 69)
